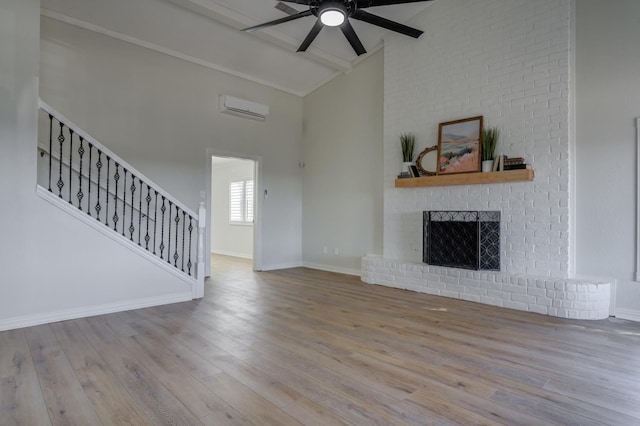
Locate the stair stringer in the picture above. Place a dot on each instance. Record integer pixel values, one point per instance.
(78, 273)
(107, 232)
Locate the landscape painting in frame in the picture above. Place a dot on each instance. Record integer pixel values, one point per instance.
(459, 146)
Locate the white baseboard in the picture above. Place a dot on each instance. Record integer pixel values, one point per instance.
(331, 268)
(277, 266)
(90, 311)
(628, 314)
(232, 254)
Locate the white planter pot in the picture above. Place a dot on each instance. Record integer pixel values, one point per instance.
(487, 165)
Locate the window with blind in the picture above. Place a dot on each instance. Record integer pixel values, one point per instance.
(241, 202)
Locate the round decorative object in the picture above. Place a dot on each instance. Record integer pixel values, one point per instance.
(421, 159)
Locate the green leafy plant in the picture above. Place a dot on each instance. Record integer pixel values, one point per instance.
(407, 142)
(490, 136)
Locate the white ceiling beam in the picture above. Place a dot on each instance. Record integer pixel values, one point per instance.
(233, 19)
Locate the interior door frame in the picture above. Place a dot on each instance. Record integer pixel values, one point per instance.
(257, 188)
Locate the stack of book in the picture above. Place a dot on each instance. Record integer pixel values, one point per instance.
(502, 163)
(514, 163)
(412, 172)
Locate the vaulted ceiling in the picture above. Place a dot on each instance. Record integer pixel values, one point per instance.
(207, 32)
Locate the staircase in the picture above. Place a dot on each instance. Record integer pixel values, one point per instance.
(83, 177)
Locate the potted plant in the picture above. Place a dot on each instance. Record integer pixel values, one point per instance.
(490, 136)
(407, 142)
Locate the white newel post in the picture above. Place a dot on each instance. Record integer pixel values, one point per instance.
(198, 291)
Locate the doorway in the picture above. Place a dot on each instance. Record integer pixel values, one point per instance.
(233, 207)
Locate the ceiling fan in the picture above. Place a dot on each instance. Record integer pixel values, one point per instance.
(336, 13)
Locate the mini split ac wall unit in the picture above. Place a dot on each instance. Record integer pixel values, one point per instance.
(243, 108)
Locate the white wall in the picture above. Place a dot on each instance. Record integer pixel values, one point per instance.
(53, 266)
(342, 180)
(509, 61)
(161, 115)
(229, 239)
(607, 102)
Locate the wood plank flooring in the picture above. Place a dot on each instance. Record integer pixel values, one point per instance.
(307, 347)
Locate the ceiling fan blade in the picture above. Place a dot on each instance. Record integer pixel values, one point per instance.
(280, 21)
(361, 15)
(311, 36)
(363, 4)
(298, 1)
(283, 7)
(351, 35)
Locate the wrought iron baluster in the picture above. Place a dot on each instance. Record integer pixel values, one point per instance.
(89, 184)
(184, 221)
(155, 220)
(162, 209)
(124, 200)
(183, 254)
(50, 147)
(140, 211)
(148, 200)
(190, 232)
(133, 191)
(99, 168)
(70, 161)
(116, 178)
(60, 183)
(169, 235)
(106, 211)
(80, 194)
(175, 255)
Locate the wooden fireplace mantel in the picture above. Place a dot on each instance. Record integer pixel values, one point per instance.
(467, 179)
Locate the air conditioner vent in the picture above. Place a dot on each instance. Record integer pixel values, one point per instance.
(243, 108)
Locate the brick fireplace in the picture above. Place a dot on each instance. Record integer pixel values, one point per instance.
(510, 62)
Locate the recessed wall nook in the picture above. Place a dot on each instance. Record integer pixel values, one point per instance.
(514, 70)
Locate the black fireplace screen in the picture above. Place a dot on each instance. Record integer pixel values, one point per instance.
(462, 239)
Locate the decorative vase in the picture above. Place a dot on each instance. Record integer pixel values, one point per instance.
(487, 165)
(405, 166)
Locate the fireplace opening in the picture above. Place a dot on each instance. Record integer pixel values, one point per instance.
(462, 239)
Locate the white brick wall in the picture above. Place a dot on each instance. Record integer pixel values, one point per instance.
(509, 61)
(566, 298)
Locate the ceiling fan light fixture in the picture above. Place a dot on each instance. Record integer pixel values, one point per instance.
(333, 16)
(339, 13)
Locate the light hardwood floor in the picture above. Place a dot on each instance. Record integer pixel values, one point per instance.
(306, 347)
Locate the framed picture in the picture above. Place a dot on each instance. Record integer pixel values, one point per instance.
(459, 146)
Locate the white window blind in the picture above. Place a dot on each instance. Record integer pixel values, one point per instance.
(241, 202)
(248, 194)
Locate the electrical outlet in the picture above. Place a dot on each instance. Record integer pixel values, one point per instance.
(325, 250)
(336, 251)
